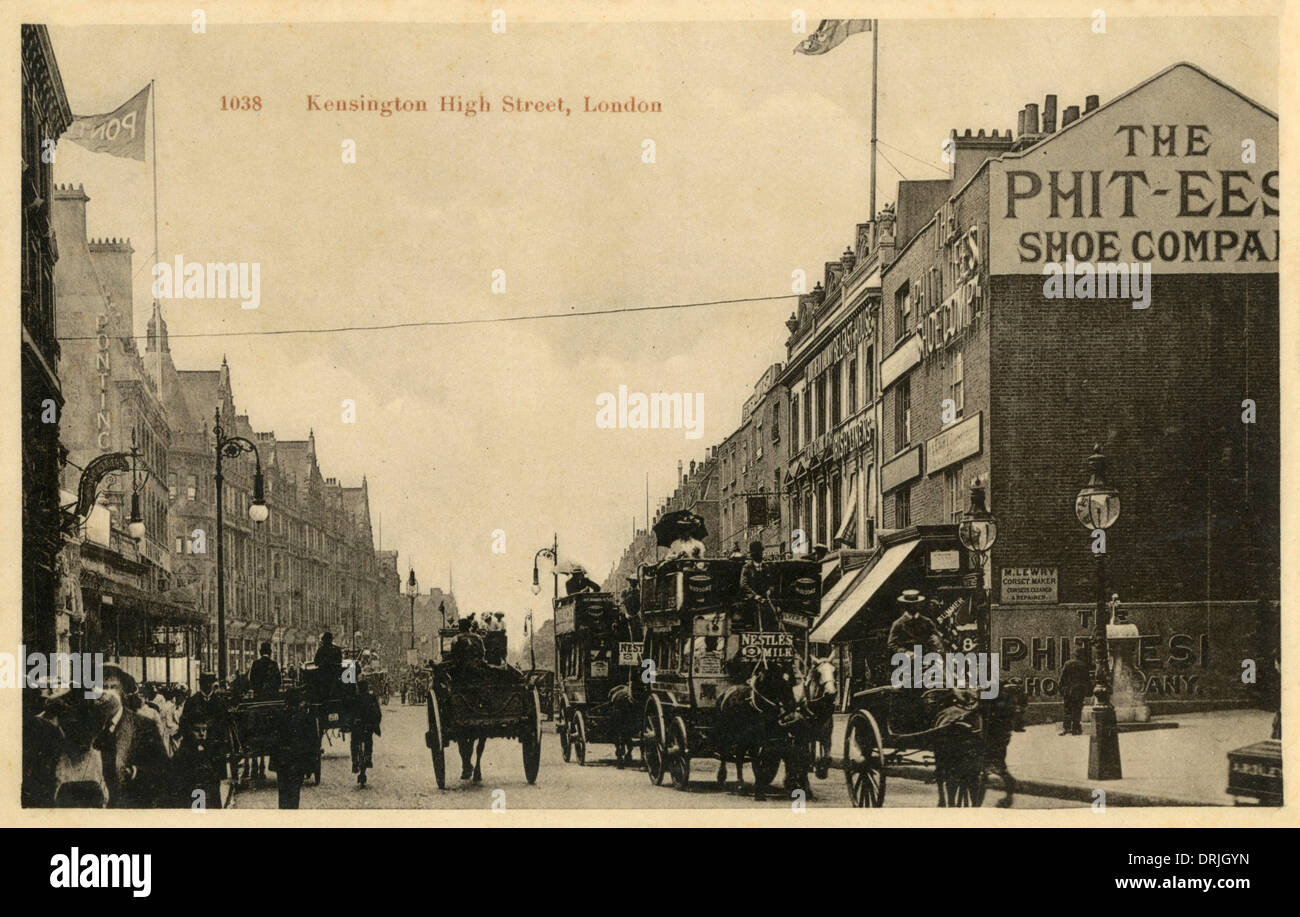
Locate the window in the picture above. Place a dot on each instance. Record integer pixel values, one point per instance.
(956, 382)
(191, 486)
(776, 423)
(807, 413)
(821, 404)
(171, 486)
(180, 544)
(853, 386)
(836, 374)
(794, 424)
(903, 415)
(869, 384)
(903, 508)
(902, 310)
(836, 508)
(952, 503)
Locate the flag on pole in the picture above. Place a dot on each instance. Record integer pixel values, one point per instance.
(830, 32)
(120, 132)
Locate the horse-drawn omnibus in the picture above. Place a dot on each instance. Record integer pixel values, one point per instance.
(726, 669)
(598, 652)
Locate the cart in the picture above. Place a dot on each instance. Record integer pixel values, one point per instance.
(474, 703)
(256, 727)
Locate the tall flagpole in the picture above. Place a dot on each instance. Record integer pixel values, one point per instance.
(153, 121)
(875, 56)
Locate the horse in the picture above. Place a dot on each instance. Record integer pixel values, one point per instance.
(748, 718)
(810, 725)
(624, 720)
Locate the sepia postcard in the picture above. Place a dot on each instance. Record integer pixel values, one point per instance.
(446, 414)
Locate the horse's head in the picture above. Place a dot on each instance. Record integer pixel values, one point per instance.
(820, 681)
(777, 681)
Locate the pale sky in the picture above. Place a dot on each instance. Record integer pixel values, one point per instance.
(762, 168)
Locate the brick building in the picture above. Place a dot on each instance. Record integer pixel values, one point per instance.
(984, 375)
(751, 464)
(46, 116)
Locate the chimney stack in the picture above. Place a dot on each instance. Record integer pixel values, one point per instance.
(1031, 118)
(1071, 115)
(1049, 115)
(1020, 123)
(1090, 103)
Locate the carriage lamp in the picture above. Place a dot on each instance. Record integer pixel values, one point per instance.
(1097, 507)
(553, 552)
(231, 447)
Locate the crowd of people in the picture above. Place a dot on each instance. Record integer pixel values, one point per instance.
(130, 744)
(125, 744)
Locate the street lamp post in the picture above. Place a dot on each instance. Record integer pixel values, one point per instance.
(553, 552)
(1097, 507)
(978, 531)
(411, 588)
(232, 447)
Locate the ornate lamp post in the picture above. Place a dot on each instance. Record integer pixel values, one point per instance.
(553, 552)
(232, 447)
(412, 587)
(978, 531)
(1097, 508)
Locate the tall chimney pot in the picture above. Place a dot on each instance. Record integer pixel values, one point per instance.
(1049, 115)
(1090, 103)
(1071, 115)
(1031, 118)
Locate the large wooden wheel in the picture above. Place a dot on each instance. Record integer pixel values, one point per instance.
(316, 764)
(653, 740)
(677, 755)
(578, 737)
(532, 739)
(864, 761)
(960, 774)
(433, 739)
(766, 762)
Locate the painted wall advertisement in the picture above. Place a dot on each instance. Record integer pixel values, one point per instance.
(1183, 652)
(1181, 174)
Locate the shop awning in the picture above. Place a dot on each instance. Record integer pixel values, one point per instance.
(175, 606)
(861, 590)
(847, 533)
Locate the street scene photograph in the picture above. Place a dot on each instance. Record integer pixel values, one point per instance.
(767, 415)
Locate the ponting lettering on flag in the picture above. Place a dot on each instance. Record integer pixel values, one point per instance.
(120, 132)
(830, 32)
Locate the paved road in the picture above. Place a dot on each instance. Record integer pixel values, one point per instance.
(403, 779)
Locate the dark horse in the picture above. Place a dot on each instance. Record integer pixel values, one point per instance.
(624, 722)
(749, 720)
(975, 743)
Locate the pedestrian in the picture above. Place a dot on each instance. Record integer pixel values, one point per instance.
(578, 582)
(264, 676)
(296, 749)
(42, 745)
(196, 767)
(135, 763)
(1074, 685)
(364, 728)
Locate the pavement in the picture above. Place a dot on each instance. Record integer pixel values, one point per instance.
(403, 779)
(1186, 766)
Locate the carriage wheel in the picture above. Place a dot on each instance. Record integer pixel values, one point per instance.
(578, 737)
(652, 740)
(766, 762)
(319, 753)
(677, 754)
(562, 727)
(433, 739)
(864, 761)
(532, 740)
